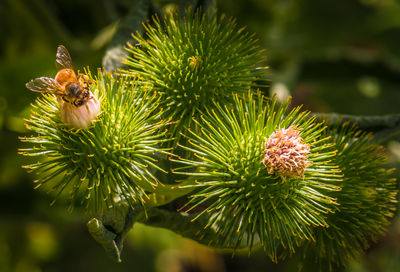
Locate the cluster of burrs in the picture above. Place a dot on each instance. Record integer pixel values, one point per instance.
(187, 109)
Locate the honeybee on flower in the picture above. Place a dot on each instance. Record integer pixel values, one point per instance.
(78, 105)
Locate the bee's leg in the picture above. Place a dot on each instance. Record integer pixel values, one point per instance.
(60, 100)
(66, 100)
(84, 79)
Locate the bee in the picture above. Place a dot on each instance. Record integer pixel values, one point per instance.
(78, 105)
(71, 87)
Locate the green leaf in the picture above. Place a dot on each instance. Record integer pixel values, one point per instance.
(205, 5)
(131, 23)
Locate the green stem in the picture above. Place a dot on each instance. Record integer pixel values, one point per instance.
(384, 127)
(106, 232)
(179, 223)
(167, 193)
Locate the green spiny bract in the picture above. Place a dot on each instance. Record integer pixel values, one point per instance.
(113, 158)
(243, 199)
(194, 60)
(367, 201)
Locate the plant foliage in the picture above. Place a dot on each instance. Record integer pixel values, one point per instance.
(251, 171)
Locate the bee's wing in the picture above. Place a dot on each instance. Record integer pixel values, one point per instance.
(44, 85)
(63, 58)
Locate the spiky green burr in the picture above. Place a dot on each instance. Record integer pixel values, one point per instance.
(245, 199)
(194, 59)
(367, 201)
(112, 160)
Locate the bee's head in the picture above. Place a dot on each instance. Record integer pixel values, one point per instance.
(85, 94)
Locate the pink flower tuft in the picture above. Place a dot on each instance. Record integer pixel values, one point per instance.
(80, 117)
(285, 154)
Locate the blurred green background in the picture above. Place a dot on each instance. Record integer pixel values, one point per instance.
(330, 55)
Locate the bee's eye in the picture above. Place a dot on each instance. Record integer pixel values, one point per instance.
(79, 103)
(85, 94)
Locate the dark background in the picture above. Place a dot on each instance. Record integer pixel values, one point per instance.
(330, 55)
